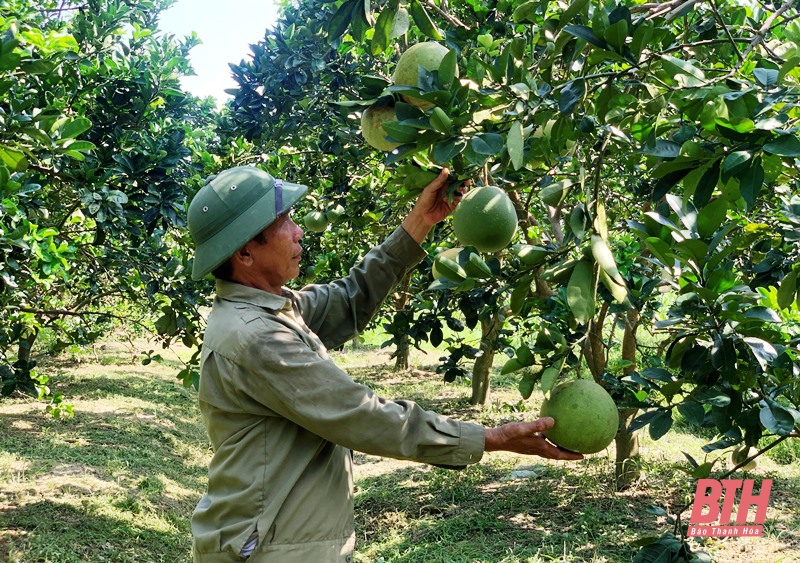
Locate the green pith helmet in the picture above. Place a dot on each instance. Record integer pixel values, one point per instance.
(233, 207)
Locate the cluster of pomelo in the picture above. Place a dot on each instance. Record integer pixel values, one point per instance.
(428, 55)
(318, 220)
(486, 219)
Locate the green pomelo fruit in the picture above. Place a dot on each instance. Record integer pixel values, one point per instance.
(585, 415)
(485, 219)
(529, 254)
(315, 221)
(372, 130)
(741, 453)
(428, 55)
(335, 213)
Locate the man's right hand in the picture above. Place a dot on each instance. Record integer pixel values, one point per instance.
(527, 438)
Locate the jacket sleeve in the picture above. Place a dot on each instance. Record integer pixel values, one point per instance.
(294, 382)
(338, 311)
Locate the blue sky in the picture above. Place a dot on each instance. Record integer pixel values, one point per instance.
(226, 29)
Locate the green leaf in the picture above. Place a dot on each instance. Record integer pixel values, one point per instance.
(341, 19)
(440, 121)
(511, 366)
(573, 10)
(787, 290)
(766, 77)
(777, 419)
(423, 20)
(660, 424)
(550, 376)
(751, 181)
(38, 67)
(641, 37)
(692, 250)
(448, 68)
(762, 314)
(674, 65)
(526, 11)
(723, 354)
(586, 33)
(79, 145)
(519, 295)
(14, 159)
(617, 34)
(401, 132)
(661, 250)
(711, 396)
(788, 66)
(785, 145)
(659, 374)
(383, 29)
(706, 185)
(488, 144)
(693, 412)
(763, 351)
(515, 145)
(445, 151)
(477, 267)
(711, 217)
(571, 95)
(75, 127)
(527, 383)
(449, 269)
(580, 292)
(734, 163)
(662, 149)
(5, 176)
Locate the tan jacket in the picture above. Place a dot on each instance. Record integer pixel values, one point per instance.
(282, 418)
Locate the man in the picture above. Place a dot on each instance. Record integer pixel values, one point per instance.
(281, 417)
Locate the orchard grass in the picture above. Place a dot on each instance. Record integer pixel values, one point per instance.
(118, 482)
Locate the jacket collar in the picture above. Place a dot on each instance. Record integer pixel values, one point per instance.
(231, 291)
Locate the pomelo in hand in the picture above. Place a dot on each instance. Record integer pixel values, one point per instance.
(485, 219)
(585, 415)
(427, 55)
(372, 130)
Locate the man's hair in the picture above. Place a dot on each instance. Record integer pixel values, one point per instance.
(225, 270)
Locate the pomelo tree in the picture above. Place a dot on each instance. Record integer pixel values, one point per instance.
(651, 153)
(99, 148)
(673, 122)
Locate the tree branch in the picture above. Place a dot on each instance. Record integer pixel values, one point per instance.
(762, 32)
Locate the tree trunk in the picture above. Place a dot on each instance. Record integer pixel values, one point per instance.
(403, 351)
(26, 347)
(627, 467)
(594, 349)
(22, 376)
(483, 364)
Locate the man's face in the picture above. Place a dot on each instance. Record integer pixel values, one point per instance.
(276, 261)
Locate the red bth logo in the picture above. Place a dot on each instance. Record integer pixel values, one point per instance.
(707, 496)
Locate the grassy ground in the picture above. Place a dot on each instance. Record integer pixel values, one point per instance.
(118, 482)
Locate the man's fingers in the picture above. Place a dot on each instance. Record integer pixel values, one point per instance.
(542, 424)
(440, 180)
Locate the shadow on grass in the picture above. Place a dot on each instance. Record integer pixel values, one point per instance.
(118, 482)
(63, 533)
(153, 437)
(483, 513)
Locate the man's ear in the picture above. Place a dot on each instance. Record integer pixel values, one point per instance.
(243, 256)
